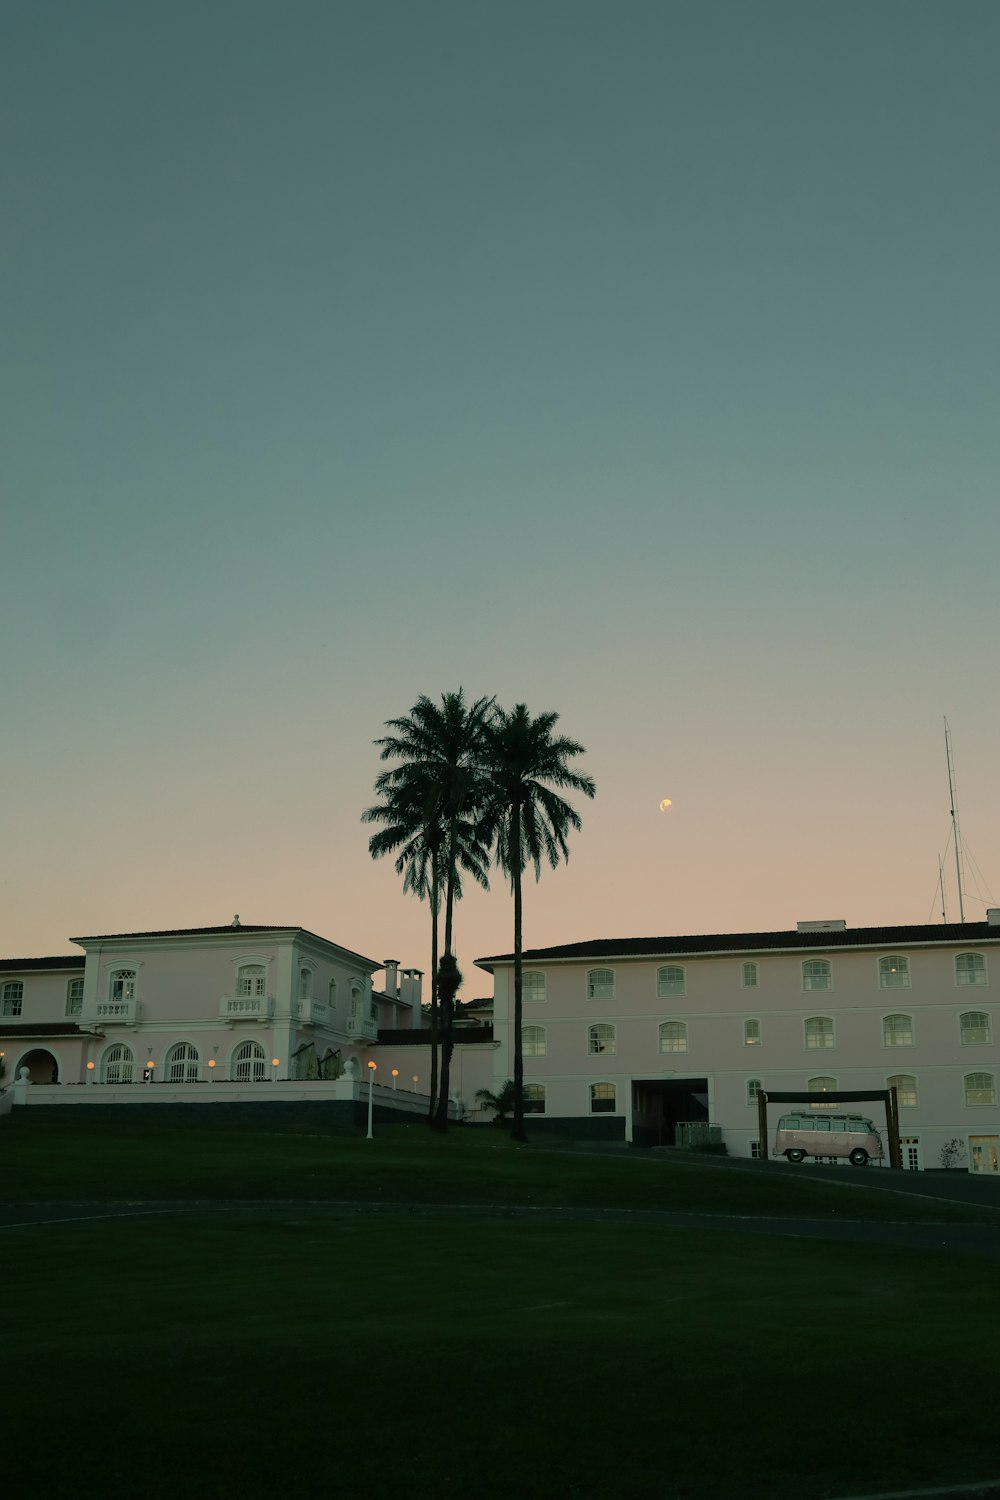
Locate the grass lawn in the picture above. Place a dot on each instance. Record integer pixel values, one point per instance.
(65, 1155)
(262, 1355)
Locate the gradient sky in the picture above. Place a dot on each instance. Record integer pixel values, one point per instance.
(634, 360)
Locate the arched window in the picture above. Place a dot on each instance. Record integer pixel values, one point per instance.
(817, 974)
(754, 1087)
(603, 1098)
(117, 1063)
(673, 1036)
(819, 1032)
(970, 968)
(897, 1030)
(670, 980)
(332, 994)
(905, 1085)
(534, 1098)
(533, 1041)
(305, 983)
(980, 1088)
(751, 1033)
(601, 984)
(13, 997)
(894, 972)
(601, 1038)
(250, 979)
(975, 1028)
(822, 1085)
(533, 986)
(74, 997)
(751, 975)
(122, 985)
(182, 1063)
(248, 1063)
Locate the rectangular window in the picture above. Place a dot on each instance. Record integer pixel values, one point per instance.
(13, 998)
(751, 976)
(602, 1098)
(74, 997)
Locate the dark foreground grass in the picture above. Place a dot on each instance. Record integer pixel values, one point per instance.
(268, 1355)
(51, 1155)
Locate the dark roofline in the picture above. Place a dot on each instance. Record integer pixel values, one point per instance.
(950, 933)
(69, 961)
(48, 1029)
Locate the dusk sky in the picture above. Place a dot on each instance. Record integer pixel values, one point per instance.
(637, 361)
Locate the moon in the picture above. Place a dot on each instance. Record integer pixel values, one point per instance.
(666, 805)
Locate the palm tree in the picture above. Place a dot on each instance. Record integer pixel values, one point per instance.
(440, 749)
(525, 817)
(502, 1101)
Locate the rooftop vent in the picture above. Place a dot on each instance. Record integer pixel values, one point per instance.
(993, 916)
(821, 926)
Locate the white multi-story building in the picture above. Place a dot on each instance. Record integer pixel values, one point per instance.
(627, 1038)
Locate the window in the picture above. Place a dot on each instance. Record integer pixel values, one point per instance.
(976, 1029)
(906, 1089)
(756, 1153)
(601, 984)
(751, 976)
(816, 974)
(248, 1063)
(13, 997)
(751, 1033)
(116, 1064)
(533, 987)
(74, 997)
(970, 968)
(182, 1063)
(819, 1032)
(332, 994)
(670, 981)
(305, 984)
(822, 1086)
(754, 1087)
(601, 1039)
(533, 1041)
(602, 1098)
(250, 979)
(123, 984)
(897, 1031)
(534, 1098)
(980, 1088)
(673, 1036)
(894, 972)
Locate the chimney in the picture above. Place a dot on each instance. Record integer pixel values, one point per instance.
(417, 995)
(828, 926)
(993, 916)
(390, 965)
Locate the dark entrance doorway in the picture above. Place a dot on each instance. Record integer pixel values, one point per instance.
(660, 1105)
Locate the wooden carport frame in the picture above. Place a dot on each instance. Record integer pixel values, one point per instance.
(888, 1097)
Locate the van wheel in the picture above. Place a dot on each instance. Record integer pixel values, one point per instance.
(795, 1155)
(859, 1157)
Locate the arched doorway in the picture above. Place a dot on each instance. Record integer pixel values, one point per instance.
(42, 1066)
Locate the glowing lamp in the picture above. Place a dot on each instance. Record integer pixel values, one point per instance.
(211, 1062)
(90, 1065)
(372, 1066)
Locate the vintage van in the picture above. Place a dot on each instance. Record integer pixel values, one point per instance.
(813, 1134)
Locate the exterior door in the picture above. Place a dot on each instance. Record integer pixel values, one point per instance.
(909, 1146)
(984, 1153)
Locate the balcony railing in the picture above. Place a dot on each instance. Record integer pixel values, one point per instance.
(245, 1007)
(122, 1012)
(313, 1012)
(362, 1026)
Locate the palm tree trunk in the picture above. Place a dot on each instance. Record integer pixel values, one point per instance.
(447, 1007)
(434, 989)
(517, 1132)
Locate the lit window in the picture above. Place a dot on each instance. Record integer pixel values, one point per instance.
(123, 984)
(74, 997)
(182, 1063)
(980, 1088)
(754, 1087)
(970, 968)
(897, 1031)
(751, 1033)
(13, 997)
(534, 1098)
(976, 1029)
(602, 1098)
(116, 1064)
(533, 986)
(751, 975)
(894, 972)
(250, 980)
(816, 974)
(819, 1032)
(533, 1041)
(670, 981)
(905, 1085)
(601, 1039)
(822, 1086)
(248, 1063)
(673, 1036)
(601, 984)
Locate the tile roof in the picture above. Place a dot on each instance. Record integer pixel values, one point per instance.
(31, 1029)
(18, 965)
(972, 933)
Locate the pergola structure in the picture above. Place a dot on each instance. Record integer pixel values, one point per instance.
(837, 1096)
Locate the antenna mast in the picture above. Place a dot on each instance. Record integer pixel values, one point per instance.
(944, 904)
(954, 817)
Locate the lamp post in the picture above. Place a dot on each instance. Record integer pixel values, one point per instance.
(416, 1080)
(395, 1075)
(211, 1064)
(90, 1072)
(274, 1064)
(371, 1083)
